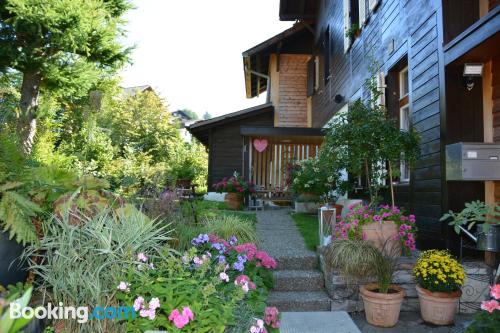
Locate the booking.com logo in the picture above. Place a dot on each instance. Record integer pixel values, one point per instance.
(81, 313)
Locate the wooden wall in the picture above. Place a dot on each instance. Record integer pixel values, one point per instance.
(398, 28)
(226, 147)
(495, 82)
(289, 89)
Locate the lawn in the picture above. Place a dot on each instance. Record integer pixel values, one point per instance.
(308, 227)
(204, 208)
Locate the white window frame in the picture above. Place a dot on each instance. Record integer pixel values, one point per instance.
(401, 73)
(403, 165)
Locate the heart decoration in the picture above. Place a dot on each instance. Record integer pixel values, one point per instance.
(260, 144)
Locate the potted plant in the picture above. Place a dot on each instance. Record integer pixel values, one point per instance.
(361, 260)
(486, 219)
(353, 31)
(439, 280)
(386, 227)
(309, 181)
(235, 188)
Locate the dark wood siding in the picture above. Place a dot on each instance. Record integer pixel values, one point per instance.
(398, 28)
(226, 150)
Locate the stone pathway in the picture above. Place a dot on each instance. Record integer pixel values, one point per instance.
(299, 285)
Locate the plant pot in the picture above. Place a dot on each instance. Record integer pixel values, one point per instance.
(234, 200)
(306, 207)
(438, 308)
(383, 235)
(381, 309)
(11, 269)
(488, 241)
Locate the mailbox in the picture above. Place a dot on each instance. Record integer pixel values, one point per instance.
(473, 161)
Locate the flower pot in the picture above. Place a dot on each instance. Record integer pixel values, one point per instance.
(12, 269)
(234, 200)
(383, 235)
(438, 308)
(381, 309)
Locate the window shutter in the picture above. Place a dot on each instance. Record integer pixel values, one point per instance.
(372, 4)
(362, 12)
(311, 76)
(347, 24)
(381, 87)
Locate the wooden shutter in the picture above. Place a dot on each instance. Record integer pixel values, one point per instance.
(372, 4)
(362, 12)
(347, 25)
(311, 76)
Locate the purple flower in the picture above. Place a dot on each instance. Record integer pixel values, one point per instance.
(240, 264)
(219, 247)
(201, 239)
(377, 218)
(222, 259)
(233, 240)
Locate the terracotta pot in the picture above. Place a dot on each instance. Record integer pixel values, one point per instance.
(383, 235)
(234, 200)
(381, 309)
(438, 308)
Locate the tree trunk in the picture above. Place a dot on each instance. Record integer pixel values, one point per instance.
(30, 90)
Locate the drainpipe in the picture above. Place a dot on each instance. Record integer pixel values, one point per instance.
(267, 77)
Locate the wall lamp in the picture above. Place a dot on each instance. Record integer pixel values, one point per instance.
(470, 72)
(338, 98)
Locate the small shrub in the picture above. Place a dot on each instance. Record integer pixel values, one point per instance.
(79, 264)
(226, 226)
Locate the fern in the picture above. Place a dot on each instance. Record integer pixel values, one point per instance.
(16, 212)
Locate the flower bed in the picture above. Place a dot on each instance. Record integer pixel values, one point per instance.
(359, 215)
(201, 291)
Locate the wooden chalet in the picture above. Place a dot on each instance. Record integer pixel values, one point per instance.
(259, 142)
(422, 47)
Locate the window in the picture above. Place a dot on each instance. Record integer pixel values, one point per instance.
(404, 118)
(404, 85)
(311, 76)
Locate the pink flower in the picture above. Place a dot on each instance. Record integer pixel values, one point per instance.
(186, 311)
(271, 316)
(495, 291)
(224, 277)
(123, 286)
(154, 303)
(490, 306)
(178, 319)
(142, 257)
(139, 301)
(150, 313)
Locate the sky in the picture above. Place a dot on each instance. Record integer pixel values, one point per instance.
(189, 51)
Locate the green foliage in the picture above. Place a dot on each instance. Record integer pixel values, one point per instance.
(178, 285)
(363, 140)
(190, 161)
(308, 228)
(485, 322)
(69, 42)
(310, 177)
(474, 212)
(81, 263)
(8, 324)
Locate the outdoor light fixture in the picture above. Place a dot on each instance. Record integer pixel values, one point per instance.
(338, 98)
(471, 71)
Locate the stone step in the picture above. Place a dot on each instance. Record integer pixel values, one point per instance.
(307, 262)
(299, 301)
(298, 280)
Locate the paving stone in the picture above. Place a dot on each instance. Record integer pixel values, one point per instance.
(317, 322)
(298, 280)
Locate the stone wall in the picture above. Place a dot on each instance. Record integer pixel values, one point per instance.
(345, 296)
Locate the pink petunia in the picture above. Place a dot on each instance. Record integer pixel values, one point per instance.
(490, 306)
(186, 311)
(495, 291)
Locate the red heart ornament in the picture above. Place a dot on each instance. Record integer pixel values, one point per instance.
(260, 144)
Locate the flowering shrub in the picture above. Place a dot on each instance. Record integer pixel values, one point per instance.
(234, 184)
(359, 215)
(199, 290)
(437, 270)
(308, 176)
(488, 320)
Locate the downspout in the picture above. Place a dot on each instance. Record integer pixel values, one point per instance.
(267, 77)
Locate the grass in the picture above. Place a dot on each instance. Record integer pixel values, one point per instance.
(210, 209)
(308, 227)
